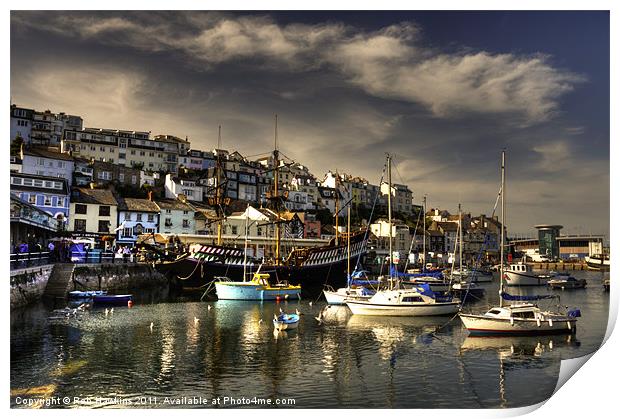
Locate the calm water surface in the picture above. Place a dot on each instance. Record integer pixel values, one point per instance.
(348, 361)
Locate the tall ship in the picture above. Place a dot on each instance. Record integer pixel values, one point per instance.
(310, 267)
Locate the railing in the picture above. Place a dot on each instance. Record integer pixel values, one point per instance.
(27, 260)
(98, 256)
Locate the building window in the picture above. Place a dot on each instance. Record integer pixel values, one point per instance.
(168, 222)
(138, 217)
(104, 211)
(16, 181)
(79, 225)
(127, 232)
(168, 211)
(32, 199)
(47, 201)
(80, 209)
(185, 212)
(234, 229)
(61, 201)
(150, 218)
(104, 226)
(185, 223)
(133, 179)
(121, 177)
(127, 216)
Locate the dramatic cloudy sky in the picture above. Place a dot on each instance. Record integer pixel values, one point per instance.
(443, 92)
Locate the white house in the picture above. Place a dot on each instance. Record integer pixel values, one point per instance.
(175, 186)
(297, 201)
(176, 217)
(43, 162)
(135, 217)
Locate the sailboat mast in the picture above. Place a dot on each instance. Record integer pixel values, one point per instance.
(501, 257)
(336, 209)
(245, 247)
(389, 165)
(218, 169)
(276, 163)
(424, 238)
(460, 241)
(348, 241)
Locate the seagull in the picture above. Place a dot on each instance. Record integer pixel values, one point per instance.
(281, 310)
(260, 321)
(112, 310)
(310, 303)
(106, 311)
(297, 312)
(209, 307)
(196, 320)
(151, 327)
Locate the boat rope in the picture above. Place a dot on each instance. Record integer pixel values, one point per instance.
(190, 275)
(372, 211)
(413, 240)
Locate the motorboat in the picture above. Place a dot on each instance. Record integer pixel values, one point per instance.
(464, 290)
(108, 299)
(598, 262)
(522, 274)
(567, 283)
(520, 319)
(85, 295)
(258, 288)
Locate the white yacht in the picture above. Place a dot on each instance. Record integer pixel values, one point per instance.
(522, 274)
(403, 302)
(518, 319)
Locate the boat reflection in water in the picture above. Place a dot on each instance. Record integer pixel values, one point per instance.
(520, 352)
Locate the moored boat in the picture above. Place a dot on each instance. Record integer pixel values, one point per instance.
(567, 283)
(404, 302)
(120, 299)
(259, 289)
(598, 262)
(285, 322)
(522, 274)
(84, 295)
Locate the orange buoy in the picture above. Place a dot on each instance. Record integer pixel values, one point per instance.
(277, 298)
(129, 303)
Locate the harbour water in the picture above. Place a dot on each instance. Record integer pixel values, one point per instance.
(119, 361)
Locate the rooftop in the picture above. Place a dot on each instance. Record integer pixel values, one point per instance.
(93, 196)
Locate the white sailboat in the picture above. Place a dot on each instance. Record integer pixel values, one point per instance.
(395, 301)
(518, 318)
(339, 296)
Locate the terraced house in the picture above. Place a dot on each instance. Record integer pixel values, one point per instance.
(47, 193)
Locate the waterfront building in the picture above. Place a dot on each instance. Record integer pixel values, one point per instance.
(135, 217)
(16, 164)
(205, 220)
(327, 199)
(93, 212)
(297, 201)
(148, 177)
(82, 171)
(547, 240)
(175, 186)
(176, 217)
(380, 242)
(570, 247)
(193, 160)
(208, 160)
(309, 186)
(44, 162)
(246, 184)
(30, 224)
(21, 123)
(47, 193)
(333, 180)
(105, 173)
(403, 197)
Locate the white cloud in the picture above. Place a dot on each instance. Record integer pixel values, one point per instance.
(391, 63)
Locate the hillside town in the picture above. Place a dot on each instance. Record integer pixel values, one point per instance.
(110, 186)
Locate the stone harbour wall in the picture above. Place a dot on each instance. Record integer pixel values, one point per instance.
(28, 285)
(116, 277)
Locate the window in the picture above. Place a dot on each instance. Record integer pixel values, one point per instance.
(48, 184)
(79, 225)
(32, 199)
(168, 211)
(104, 175)
(151, 154)
(133, 179)
(61, 164)
(185, 212)
(101, 148)
(150, 218)
(61, 201)
(259, 231)
(38, 183)
(40, 162)
(104, 226)
(234, 229)
(142, 153)
(47, 201)
(16, 181)
(138, 217)
(127, 232)
(127, 216)
(121, 177)
(80, 209)
(104, 211)
(168, 222)
(133, 152)
(122, 155)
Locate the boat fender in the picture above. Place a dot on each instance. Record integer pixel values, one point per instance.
(512, 321)
(568, 326)
(129, 303)
(538, 321)
(551, 322)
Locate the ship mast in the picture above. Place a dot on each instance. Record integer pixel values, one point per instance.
(349, 244)
(424, 238)
(336, 209)
(218, 203)
(276, 163)
(389, 165)
(460, 242)
(501, 269)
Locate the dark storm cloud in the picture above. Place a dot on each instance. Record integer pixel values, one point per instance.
(344, 97)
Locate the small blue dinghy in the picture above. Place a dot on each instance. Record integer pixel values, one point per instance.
(82, 295)
(112, 299)
(285, 321)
